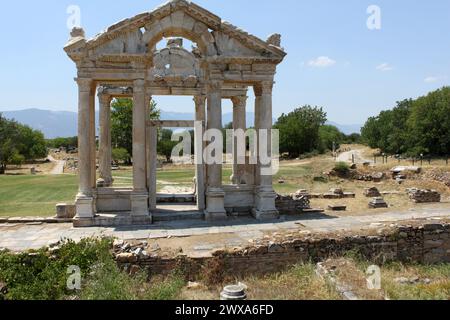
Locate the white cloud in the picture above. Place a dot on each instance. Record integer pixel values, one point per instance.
(432, 79)
(384, 67)
(322, 62)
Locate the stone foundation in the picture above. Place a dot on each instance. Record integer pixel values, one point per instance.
(427, 244)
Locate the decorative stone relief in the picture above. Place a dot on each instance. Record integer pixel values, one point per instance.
(175, 65)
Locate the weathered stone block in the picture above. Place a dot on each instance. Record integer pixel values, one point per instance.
(65, 211)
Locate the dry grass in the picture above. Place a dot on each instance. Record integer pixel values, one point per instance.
(438, 277)
(298, 283)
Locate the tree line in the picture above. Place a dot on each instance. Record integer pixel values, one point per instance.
(304, 131)
(413, 127)
(19, 143)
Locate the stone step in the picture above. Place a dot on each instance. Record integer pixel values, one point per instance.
(175, 198)
(178, 216)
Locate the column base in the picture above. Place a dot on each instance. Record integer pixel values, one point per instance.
(139, 205)
(85, 208)
(215, 205)
(104, 183)
(265, 207)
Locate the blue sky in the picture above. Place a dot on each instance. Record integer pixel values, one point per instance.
(333, 59)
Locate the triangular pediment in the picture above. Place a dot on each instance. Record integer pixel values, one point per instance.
(138, 35)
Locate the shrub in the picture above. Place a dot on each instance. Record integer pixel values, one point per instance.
(42, 274)
(342, 168)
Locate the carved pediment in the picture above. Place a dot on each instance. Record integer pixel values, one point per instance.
(176, 18)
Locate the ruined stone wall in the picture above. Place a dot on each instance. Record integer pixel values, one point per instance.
(427, 244)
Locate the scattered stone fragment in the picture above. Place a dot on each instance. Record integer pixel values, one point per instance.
(126, 258)
(424, 196)
(118, 243)
(377, 203)
(372, 192)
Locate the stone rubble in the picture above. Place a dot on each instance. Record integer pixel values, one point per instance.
(424, 196)
(372, 192)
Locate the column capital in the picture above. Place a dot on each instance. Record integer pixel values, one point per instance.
(139, 86)
(84, 84)
(200, 100)
(239, 101)
(104, 97)
(215, 85)
(263, 87)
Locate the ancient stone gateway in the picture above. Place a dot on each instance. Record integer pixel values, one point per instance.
(124, 61)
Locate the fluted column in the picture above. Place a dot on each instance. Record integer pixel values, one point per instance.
(215, 196)
(265, 195)
(105, 152)
(239, 123)
(200, 117)
(85, 197)
(139, 199)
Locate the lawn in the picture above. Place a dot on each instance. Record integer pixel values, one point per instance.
(26, 195)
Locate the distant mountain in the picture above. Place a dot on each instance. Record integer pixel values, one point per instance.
(347, 128)
(52, 123)
(64, 123)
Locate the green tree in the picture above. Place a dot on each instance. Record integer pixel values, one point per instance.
(429, 123)
(122, 123)
(330, 136)
(19, 143)
(299, 130)
(67, 143)
(413, 126)
(120, 155)
(165, 144)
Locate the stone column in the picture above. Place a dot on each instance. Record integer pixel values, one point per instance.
(265, 195)
(152, 158)
(104, 151)
(257, 90)
(215, 196)
(200, 116)
(93, 141)
(239, 123)
(139, 198)
(85, 197)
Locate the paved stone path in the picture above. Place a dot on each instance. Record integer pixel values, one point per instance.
(21, 237)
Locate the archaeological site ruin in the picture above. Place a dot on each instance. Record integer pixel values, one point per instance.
(124, 61)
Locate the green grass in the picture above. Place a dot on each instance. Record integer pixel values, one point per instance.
(437, 289)
(35, 195)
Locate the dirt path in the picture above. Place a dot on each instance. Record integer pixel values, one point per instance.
(59, 166)
(348, 156)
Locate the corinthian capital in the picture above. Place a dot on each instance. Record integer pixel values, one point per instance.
(239, 101)
(267, 87)
(215, 85)
(200, 100)
(84, 84)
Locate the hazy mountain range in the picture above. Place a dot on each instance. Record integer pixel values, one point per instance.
(64, 123)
